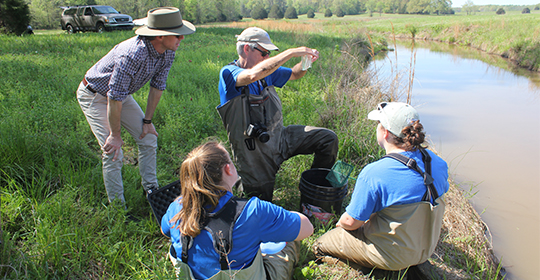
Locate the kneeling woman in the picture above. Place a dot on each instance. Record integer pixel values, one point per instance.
(199, 221)
(395, 215)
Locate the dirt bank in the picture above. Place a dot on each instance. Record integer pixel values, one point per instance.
(526, 57)
(465, 242)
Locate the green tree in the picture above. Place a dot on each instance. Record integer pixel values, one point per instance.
(328, 13)
(46, 14)
(418, 6)
(339, 12)
(468, 7)
(245, 11)
(192, 11)
(290, 13)
(440, 7)
(258, 12)
(275, 12)
(500, 11)
(371, 5)
(310, 13)
(348, 7)
(14, 16)
(380, 7)
(402, 6)
(390, 6)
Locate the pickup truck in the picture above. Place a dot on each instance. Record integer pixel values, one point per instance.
(97, 18)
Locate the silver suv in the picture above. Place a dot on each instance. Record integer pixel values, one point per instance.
(94, 18)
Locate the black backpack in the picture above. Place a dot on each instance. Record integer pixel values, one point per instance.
(220, 225)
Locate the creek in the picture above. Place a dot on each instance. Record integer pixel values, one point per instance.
(483, 117)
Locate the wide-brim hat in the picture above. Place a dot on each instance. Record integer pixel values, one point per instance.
(394, 116)
(165, 21)
(257, 35)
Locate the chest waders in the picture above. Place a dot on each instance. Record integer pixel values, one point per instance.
(220, 226)
(403, 235)
(258, 158)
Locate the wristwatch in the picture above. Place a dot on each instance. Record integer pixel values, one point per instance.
(145, 121)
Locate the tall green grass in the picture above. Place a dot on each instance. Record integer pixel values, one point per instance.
(56, 221)
(513, 35)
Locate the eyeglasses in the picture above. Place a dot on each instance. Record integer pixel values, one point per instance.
(263, 53)
(178, 36)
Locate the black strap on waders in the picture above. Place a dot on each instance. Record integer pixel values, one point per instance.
(250, 142)
(220, 225)
(431, 192)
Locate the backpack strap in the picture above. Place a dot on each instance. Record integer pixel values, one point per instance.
(431, 192)
(220, 226)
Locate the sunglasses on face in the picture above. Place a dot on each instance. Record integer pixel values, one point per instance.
(263, 53)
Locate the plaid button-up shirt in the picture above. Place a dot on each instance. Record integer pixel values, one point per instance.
(128, 67)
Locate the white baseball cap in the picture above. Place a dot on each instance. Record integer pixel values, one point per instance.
(394, 116)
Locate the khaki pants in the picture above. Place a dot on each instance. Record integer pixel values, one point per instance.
(346, 245)
(394, 238)
(94, 107)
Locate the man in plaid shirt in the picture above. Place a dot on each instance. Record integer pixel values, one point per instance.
(105, 95)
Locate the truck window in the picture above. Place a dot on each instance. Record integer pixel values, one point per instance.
(88, 12)
(105, 10)
(70, 12)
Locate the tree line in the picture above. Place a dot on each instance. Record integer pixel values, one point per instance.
(46, 13)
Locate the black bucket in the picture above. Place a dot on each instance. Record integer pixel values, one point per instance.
(316, 190)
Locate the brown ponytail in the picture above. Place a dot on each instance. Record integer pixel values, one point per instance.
(200, 176)
(413, 138)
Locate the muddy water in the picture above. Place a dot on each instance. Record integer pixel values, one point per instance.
(485, 121)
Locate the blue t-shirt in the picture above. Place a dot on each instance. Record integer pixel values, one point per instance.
(229, 74)
(259, 222)
(388, 182)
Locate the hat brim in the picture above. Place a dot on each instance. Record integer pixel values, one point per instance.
(270, 47)
(186, 29)
(375, 115)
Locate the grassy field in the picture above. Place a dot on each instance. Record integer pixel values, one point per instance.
(514, 35)
(56, 222)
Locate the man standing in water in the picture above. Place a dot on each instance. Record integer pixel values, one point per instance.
(252, 115)
(105, 95)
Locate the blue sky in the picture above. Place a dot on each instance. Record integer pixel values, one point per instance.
(459, 3)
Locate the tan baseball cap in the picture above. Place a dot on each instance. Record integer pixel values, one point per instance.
(257, 35)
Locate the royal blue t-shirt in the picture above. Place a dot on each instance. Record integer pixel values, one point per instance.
(259, 222)
(229, 74)
(388, 182)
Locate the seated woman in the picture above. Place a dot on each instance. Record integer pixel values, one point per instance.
(207, 176)
(391, 223)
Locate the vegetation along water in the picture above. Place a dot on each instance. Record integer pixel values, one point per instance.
(57, 224)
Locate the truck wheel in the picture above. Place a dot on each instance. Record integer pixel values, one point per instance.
(100, 27)
(70, 29)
